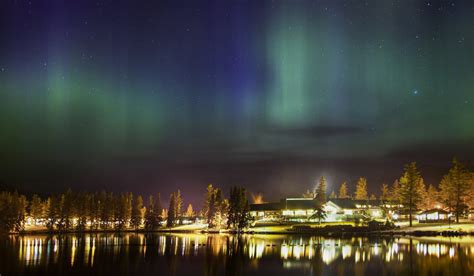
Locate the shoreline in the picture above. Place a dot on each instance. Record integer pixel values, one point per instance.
(312, 232)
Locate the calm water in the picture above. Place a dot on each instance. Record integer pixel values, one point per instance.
(195, 254)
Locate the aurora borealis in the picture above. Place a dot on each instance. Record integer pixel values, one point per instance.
(267, 94)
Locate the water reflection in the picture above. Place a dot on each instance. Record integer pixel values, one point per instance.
(228, 254)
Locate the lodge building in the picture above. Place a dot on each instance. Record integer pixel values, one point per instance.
(337, 210)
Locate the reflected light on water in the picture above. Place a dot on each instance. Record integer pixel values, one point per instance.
(299, 252)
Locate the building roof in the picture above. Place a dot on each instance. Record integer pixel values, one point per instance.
(349, 203)
(271, 206)
(298, 203)
(436, 210)
(310, 203)
(285, 204)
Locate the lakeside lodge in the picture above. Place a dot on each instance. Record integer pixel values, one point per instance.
(337, 210)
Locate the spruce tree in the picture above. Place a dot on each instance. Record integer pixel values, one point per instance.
(171, 211)
(410, 189)
(149, 214)
(343, 193)
(455, 188)
(321, 191)
(158, 212)
(361, 189)
(137, 211)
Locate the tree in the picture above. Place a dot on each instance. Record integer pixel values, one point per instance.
(470, 198)
(429, 198)
(218, 211)
(361, 189)
(455, 187)
(373, 197)
(424, 202)
(189, 211)
(332, 195)
(244, 217)
(108, 209)
(81, 210)
(37, 208)
(54, 206)
(384, 193)
(12, 211)
(211, 211)
(207, 200)
(171, 211)
(66, 211)
(238, 211)
(137, 213)
(395, 191)
(410, 189)
(179, 204)
(319, 213)
(158, 212)
(213, 206)
(123, 211)
(343, 193)
(150, 222)
(95, 211)
(321, 191)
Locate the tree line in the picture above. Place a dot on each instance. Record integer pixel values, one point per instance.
(455, 192)
(71, 211)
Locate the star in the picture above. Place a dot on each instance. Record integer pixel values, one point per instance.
(415, 92)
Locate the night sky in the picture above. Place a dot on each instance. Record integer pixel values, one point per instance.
(270, 95)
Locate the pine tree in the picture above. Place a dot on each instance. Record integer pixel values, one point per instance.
(171, 211)
(211, 211)
(179, 204)
(321, 191)
(343, 193)
(238, 210)
(189, 211)
(424, 198)
(319, 213)
(66, 211)
(217, 218)
(123, 210)
(244, 209)
(432, 197)
(410, 189)
(384, 193)
(137, 212)
(361, 189)
(81, 210)
(207, 200)
(54, 207)
(95, 211)
(333, 195)
(108, 210)
(455, 188)
(150, 223)
(395, 191)
(12, 211)
(158, 212)
(37, 210)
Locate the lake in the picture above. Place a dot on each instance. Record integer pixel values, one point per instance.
(213, 254)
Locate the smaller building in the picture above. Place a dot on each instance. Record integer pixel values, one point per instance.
(433, 215)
